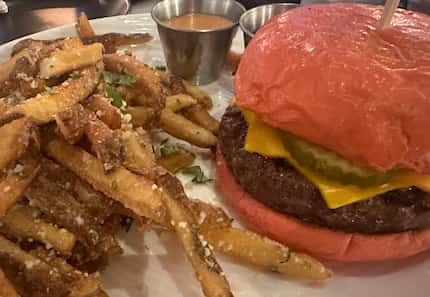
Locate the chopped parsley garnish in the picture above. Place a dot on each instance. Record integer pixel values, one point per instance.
(114, 185)
(126, 79)
(114, 96)
(75, 75)
(119, 79)
(50, 90)
(168, 150)
(161, 67)
(196, 171)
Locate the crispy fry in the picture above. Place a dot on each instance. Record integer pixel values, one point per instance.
(13, 185)
(207, 215)
(24, 270)
(201, 117)
(83, 27)
(206, 268)
(147, 78)
(182, 128)
(6, 289)
(201, 96)
(177, 161)
(104, 111)
(21, 222)
(134, 192)
(111, 41)
(141, 116)
(179, 101)
(64, 61)
(7, 67)
(263, 252)
(15, 138)
(68, 42)
(44, 107)
(138, 153)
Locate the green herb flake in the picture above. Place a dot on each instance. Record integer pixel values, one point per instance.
(168, 150)
(75, 75)
(161, 67)
(114, 185)
(109, 77)
(115, 96)
(119, 79)
(127, 79)
(50, 90)
(199, 176)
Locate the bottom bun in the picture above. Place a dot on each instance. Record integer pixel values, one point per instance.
(320, 242)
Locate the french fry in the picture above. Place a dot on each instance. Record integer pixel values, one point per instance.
(7, 67)
(111, 41)
(141, 116)
(133, 191)
(207, 215)
(20, 221)
(147, 78)
(105, 111)
(15, 138)
(31, 271)
(64, 61)
(201, 96)
(179, 101)
(83, 27)
(206, 268)
(12, 186)
(6, 289)
(201, 117)
(139, 157)
(177, 161)
(182, 128)
(44, 107)
(264, 252)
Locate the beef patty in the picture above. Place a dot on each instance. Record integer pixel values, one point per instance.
(278, 185)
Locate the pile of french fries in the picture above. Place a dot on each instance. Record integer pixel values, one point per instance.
(77, 157)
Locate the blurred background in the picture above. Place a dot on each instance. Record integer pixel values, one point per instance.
(22, 17)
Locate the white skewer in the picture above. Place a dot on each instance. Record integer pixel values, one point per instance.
(389, 9)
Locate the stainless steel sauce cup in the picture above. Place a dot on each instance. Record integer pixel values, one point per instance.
(255, 18)
(196, 55)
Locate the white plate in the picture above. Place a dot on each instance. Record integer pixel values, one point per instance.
(154, 266)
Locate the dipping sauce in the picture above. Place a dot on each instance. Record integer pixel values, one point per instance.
(199, 21)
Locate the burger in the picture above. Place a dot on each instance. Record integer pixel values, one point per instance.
(327, 146)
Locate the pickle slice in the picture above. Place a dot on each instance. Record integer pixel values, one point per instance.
(331, 165)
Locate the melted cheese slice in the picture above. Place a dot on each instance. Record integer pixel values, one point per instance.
(267, 141)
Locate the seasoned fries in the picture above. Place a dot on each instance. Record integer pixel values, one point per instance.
(67, 60)
(21, 221)
(134, 192)
(201, 117)
(83, 27)
(183, 128)
(208, 271)
(179, 101)
(13, 185)
(44, 107)
(198, 94)
(263, 252)
(16, 137)
(177, 161)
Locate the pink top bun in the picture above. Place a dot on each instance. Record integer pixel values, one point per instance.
(324, 72)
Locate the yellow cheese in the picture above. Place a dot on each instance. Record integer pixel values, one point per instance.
(267, 141)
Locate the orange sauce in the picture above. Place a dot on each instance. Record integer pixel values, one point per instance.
(199, 21)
